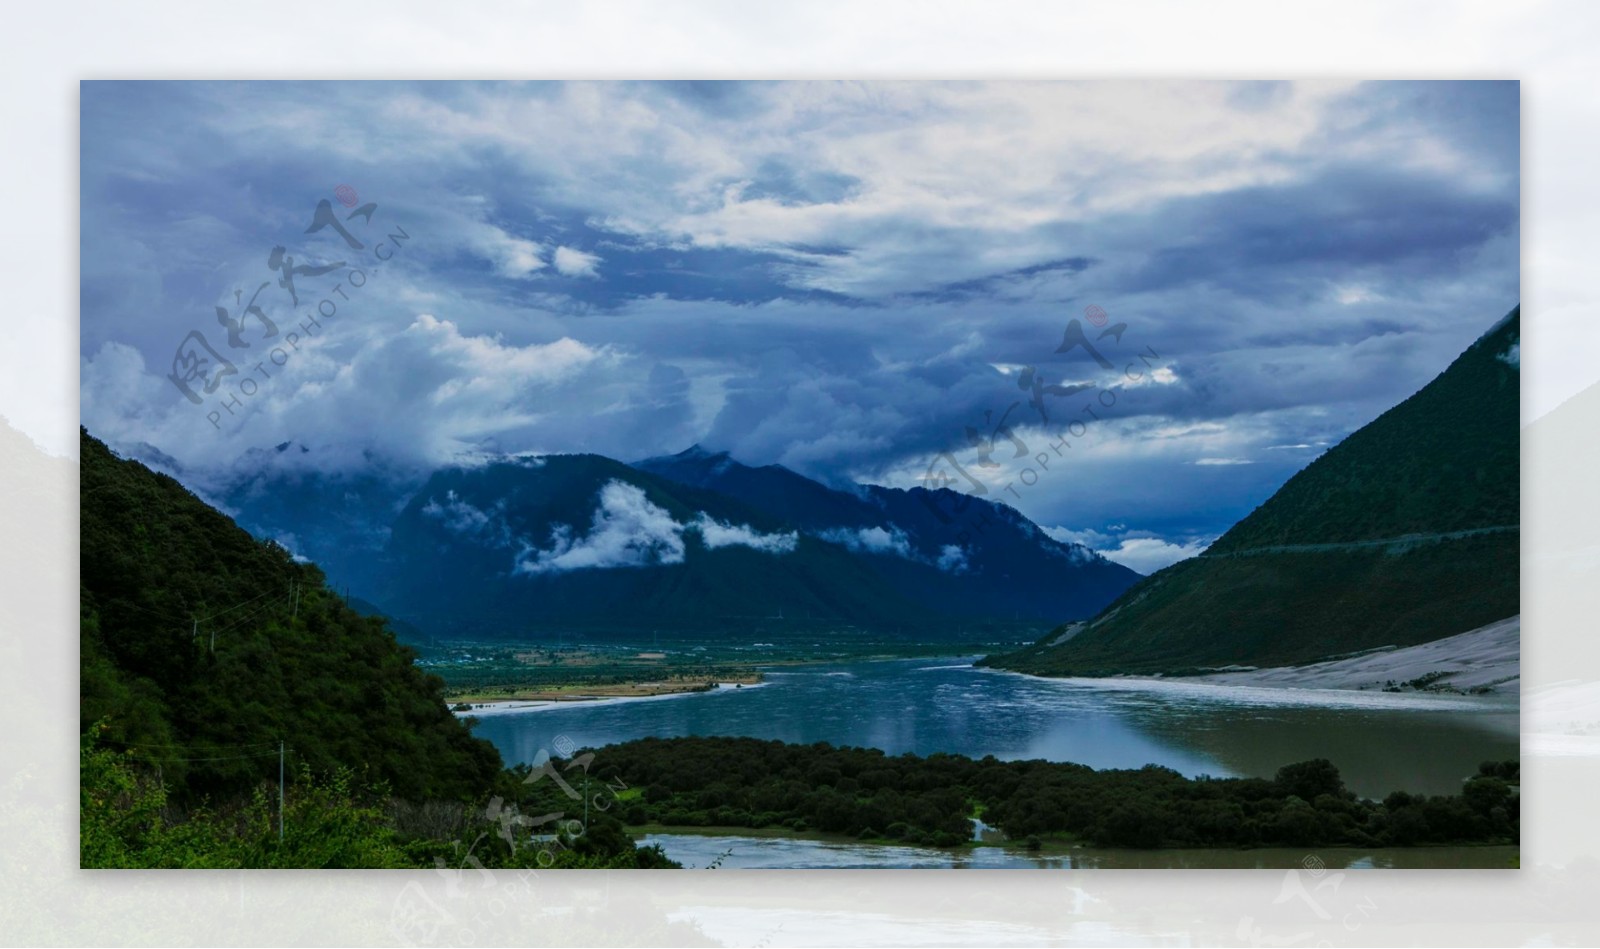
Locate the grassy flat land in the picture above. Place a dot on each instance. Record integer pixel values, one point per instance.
(578, 691)
(502, 672)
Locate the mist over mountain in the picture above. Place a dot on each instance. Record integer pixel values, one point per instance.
(688, 544)
(699, 545)
(993, 561)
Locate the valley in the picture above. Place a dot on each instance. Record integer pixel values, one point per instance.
(1356, 628)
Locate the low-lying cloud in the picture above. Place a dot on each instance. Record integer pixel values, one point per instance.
(460, 517)
(1137, 551)
(952, 559)
(628, 530)
(872, 540)
(715, 534)
(893, 542)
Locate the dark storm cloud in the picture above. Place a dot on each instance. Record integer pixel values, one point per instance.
(1283, 242)
(844, 277)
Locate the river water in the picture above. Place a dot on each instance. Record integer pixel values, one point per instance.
(1381, 742)
(738, 852)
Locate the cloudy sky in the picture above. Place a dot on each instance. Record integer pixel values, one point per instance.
(851, 279)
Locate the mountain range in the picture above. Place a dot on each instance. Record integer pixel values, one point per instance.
(687, 545)
(1405, 532)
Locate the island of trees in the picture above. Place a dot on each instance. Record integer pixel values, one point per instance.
(864, 793)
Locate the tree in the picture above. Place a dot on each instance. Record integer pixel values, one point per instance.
(1308, 779)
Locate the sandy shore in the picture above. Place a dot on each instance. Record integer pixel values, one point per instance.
(481, 709)
(1487, 658)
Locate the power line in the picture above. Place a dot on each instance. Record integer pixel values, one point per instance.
(252, 615)
(142, 744)
(167, 615)
(280, 600)
(264, 754)
(207, 619)
(143, 609)
(141, 749)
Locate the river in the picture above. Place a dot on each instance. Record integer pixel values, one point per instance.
(742, 852)
(1381, 742)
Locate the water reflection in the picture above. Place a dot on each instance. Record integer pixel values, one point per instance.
(731, 852)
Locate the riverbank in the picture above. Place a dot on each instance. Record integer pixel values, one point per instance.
(738, 849)
(589, 698)
(1484, 661)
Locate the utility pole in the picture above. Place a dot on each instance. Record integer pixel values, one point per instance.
(294, 591)
(280, 792)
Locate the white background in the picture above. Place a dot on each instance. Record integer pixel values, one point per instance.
(49, 48)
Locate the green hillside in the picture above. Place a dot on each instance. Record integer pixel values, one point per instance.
(203, 649)
(291, 660)
(1405, 532)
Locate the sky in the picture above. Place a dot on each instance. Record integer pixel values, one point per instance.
(865, 282)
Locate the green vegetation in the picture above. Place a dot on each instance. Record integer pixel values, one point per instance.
(747, 783)
(291, 662)
(1403, 533)
(339, 821)
(1207, 612)
(486, 671)
(1446, 459)
(203, 649)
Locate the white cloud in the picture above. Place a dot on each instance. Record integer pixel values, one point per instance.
(1143, 554)
(627, 531)
(717, 534)
(1513, 356)
(512, 256)
(460, 517)
(1160, 376)
(1222, 461)
(952, 559)
(422, 391)
(290, 543)
(1085, 538)
(1146, 555)
(1351, 294)
(873, 540)
(117, 393)
(576, 263)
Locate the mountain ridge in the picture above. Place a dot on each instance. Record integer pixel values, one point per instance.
(589, 545)
(1405, 532)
